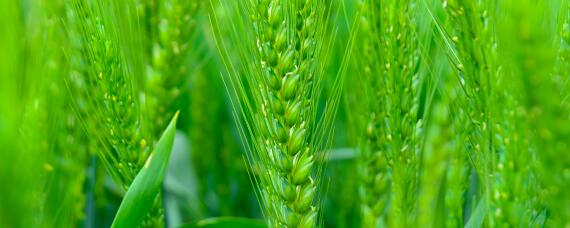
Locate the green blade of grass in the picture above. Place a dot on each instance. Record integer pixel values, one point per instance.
(478, 216)
(139, 198)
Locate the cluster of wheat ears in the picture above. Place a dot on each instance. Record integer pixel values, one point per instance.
(286, 113)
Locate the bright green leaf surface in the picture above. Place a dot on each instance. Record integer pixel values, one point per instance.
(141, 194)
(478, 215)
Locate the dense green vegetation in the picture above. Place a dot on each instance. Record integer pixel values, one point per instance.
(296, 113)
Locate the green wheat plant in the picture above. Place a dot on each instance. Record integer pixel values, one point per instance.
(17, 129)
(472, 58)
(51, 183)
(110, 94)
(169, 26)
(502, 152)
(389, 100)
(106, 74)
(130, 113)
(68, 148)
(471, 52)
(276, 83)
(534, 63)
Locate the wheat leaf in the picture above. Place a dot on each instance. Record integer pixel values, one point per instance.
(478, 216)
(139, 198)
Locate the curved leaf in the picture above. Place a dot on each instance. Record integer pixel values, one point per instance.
(478, 216)
(141, 194)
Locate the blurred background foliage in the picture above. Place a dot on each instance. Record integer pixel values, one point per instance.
(51, 174)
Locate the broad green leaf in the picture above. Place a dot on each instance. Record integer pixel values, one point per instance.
(478, 216)
(141, 194)
(227, 222)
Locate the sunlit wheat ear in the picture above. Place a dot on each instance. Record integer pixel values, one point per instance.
(275, 88)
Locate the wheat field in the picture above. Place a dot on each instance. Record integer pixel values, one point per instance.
(284, 113)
